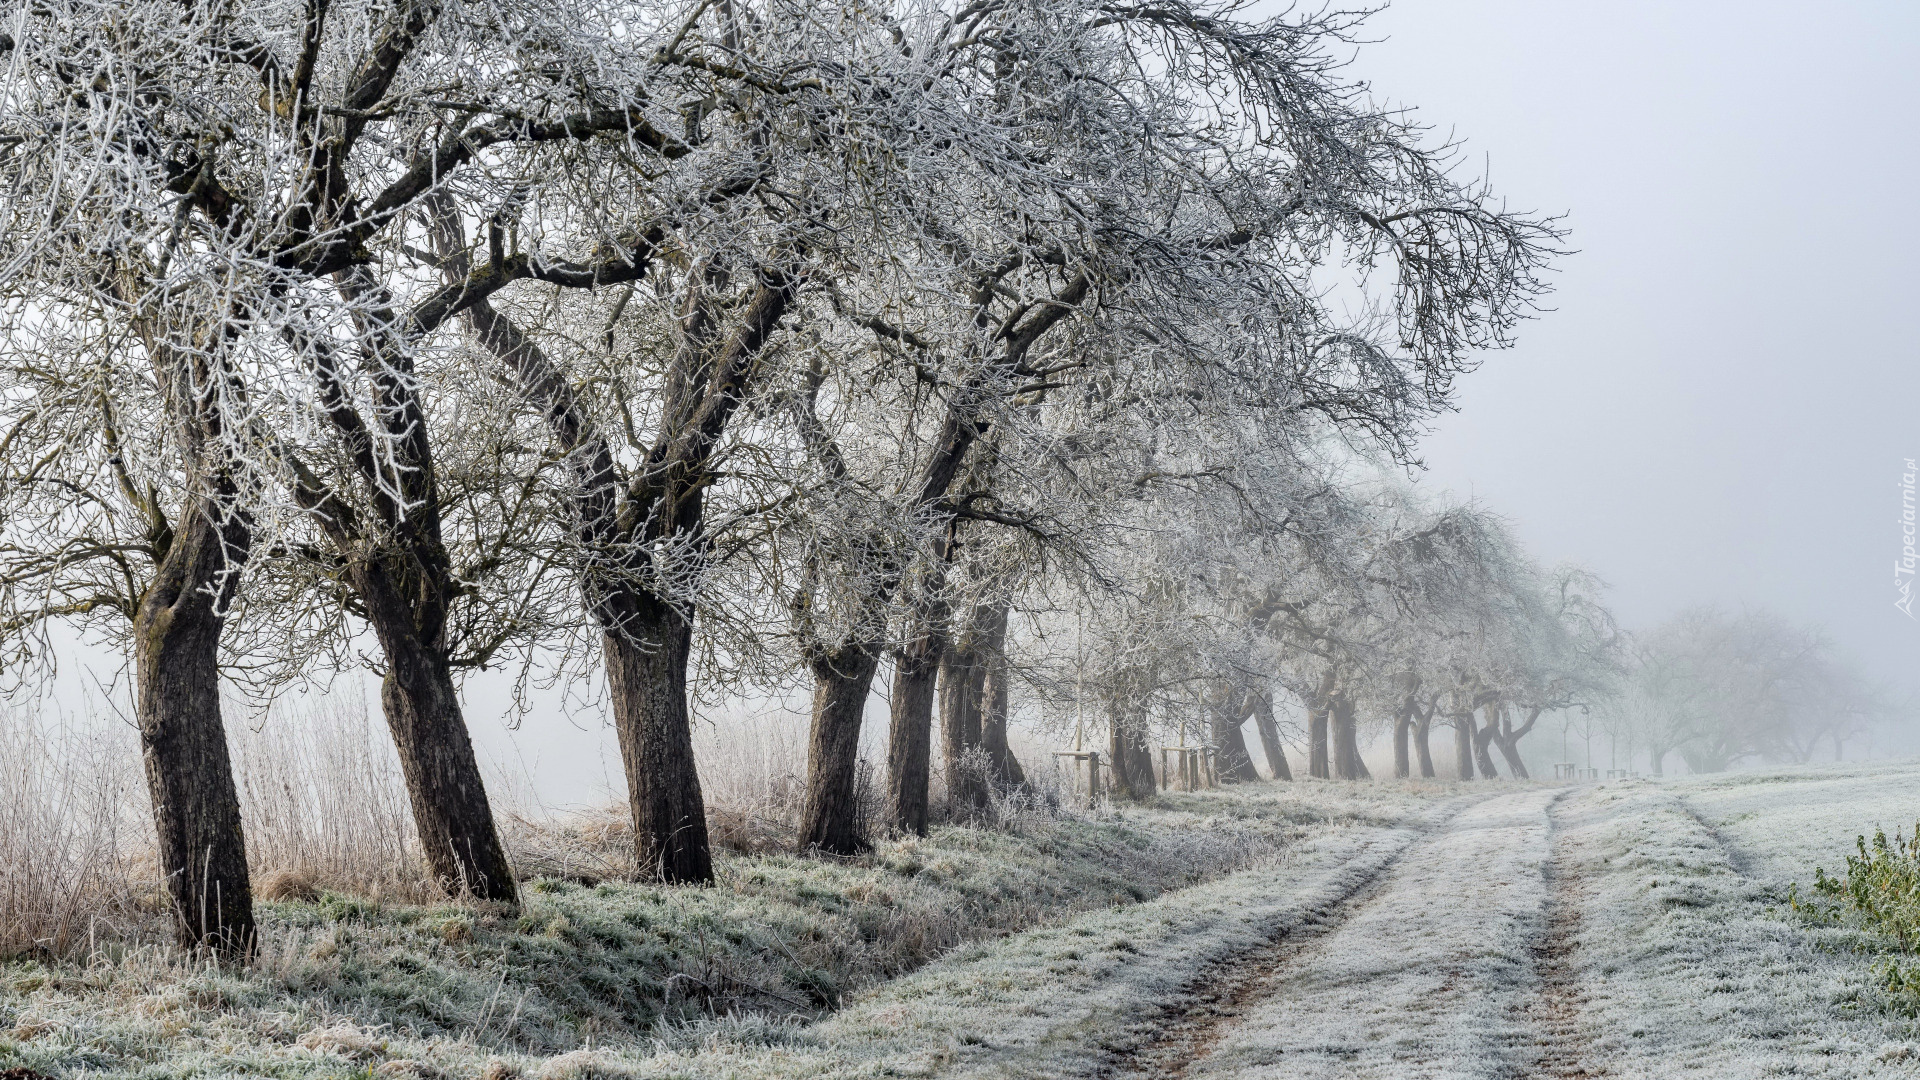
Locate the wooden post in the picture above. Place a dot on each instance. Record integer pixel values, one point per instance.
(1075, 757)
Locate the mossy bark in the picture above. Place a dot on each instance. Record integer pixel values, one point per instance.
(183, 741)
(647, 684)
(830, 818)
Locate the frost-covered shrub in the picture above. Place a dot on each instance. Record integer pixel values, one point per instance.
(1882, 884)
(1881, 893)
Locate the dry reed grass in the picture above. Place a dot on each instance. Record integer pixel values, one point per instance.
(325, 805)
(326, 811)
(74, 835)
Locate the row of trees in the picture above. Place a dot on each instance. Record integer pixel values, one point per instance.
(1717, 688)
(695, 345)
(1370, 609)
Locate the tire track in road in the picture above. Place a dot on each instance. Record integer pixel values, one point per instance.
(1216, 999)
(1554, 1014)
(1455, 959)
(1218, 996)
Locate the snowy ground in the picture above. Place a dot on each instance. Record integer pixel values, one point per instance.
(1602, 931)
(1408, 929)
(1632, 930)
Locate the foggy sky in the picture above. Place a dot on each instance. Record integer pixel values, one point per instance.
(1718, 409)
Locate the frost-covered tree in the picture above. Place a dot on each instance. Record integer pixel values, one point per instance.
(1719, 688)
(427, 325)
(1185, 180)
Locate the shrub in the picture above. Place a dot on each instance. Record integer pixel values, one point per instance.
(1880, 892)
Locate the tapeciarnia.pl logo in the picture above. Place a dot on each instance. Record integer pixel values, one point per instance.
(1903, 566)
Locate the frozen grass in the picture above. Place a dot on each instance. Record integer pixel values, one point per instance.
(1691, 961)
(1818, 837)
(1044, 944)
(635, 971)
(1782, 822)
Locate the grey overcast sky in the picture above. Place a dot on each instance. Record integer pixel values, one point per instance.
(1718, 408)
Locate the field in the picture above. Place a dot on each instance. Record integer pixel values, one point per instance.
(1328, 929)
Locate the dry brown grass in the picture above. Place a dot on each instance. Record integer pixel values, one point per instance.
(752, 777)
(326, 811)
(324, 802)
(72, 835)
(320, 791)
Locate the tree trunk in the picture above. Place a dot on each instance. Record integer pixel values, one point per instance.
(1130, 758)
(196, 809)
(961, 677)
(1480, 740)
(1317, 764)
(1346, 745)
(1422, 741)
(916, 675)
(1270, 737)
(830, 819)
(450, 809)
(1512, 755)
(1508, 739)
(995, 699)
(1317, 743)
(1232, 761)
(399, 570)
(1402, 730)
(1463, 744)
(647, 681)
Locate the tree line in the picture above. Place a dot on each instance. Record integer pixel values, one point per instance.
(1716, 688)
(687, 346)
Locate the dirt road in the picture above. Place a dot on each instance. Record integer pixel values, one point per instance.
(1549, 932)
(1453, 963)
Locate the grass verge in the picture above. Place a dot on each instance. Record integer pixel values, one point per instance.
(346, 984)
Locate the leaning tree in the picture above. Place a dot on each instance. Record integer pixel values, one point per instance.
(1153, 170)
